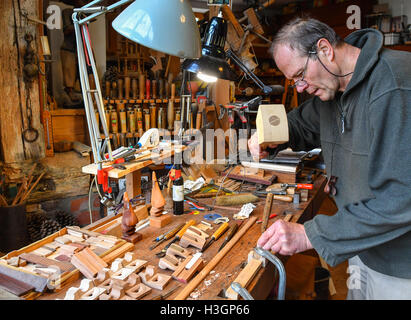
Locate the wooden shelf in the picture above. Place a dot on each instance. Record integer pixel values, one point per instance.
(141, 100)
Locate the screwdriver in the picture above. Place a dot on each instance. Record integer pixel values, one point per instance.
(178, 236)
(167, 236)
(216, 235)
(230, 234)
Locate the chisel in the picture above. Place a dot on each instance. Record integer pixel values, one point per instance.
(178, 236)
(223, 228)
(167, 236)
(230, 234)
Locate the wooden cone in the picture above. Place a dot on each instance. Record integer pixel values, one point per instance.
(157, 199)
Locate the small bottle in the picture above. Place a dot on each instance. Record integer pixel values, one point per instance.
(178, 191)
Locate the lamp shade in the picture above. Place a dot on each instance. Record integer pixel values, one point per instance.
(213, 59)
(167, 26)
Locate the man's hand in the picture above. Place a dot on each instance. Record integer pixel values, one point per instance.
(256, 150)
(286, 238)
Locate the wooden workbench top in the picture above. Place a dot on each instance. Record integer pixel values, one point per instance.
(228, 268)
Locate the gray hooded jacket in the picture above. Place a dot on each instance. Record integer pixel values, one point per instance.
(365, 135)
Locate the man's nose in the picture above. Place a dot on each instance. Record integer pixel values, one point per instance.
(300, 89)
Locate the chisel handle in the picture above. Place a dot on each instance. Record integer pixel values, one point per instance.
(184, 229)
(220, 231)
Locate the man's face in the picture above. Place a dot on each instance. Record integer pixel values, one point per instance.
(318, 81)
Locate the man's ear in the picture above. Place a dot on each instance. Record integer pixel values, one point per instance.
(325, 49)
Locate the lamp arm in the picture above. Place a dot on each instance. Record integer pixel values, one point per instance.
(97, 11)
(266, 89)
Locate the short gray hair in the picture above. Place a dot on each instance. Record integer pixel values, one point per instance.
(301, 34)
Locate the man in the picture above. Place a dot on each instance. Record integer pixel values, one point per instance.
(360, 116)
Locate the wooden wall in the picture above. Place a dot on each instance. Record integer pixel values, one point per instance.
(13, 115)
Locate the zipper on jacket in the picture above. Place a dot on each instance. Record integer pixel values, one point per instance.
(342, 117)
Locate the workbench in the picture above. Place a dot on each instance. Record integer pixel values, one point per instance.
(132, 173)
(231, 264)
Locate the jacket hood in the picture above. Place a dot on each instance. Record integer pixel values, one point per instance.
(370, 41)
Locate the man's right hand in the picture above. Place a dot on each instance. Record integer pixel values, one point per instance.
(256, 150)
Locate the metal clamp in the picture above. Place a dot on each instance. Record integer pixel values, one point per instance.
(280, 267)
(221, 220)
(241, 291)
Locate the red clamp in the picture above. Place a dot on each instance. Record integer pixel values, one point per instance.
(102, 178)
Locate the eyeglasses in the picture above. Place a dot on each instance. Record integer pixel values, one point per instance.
(301, 82)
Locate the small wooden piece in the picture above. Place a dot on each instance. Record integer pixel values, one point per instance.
(73, 293)
(116, 265)
(267, 211)
(197, 232)
(93, 293)
(102, 276)
(184, 275)
(157, 281)
(86, 285)
(128, 222)
(157, 219)
(88, 263)
(192, 240)
(272, 124)
(136, 265)
(177, 251)
(14, 286)
(138, 291)
(169, 262)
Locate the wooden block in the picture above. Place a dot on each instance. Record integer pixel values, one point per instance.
(119, 252)
(244, 277)
(62, 240)
(39, 283)
(197, 232)
(161, 221)
(14, 286)
(192, 240)
(116, 292)
(130, 256)
(86, 285)
(138, 291)
(184, 275)
(122, 274)
(177, 251)
(157, 281)
(93, 294)
(102, 276)
(116, 265)
(73, 293)
(88, 263)
(33, 258)
(134, 238)
(106, 285)
(75, 233)
(136, 265)
(44, 252)
(168, 262)
(272, 124)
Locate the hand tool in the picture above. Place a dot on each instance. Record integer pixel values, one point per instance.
(267, 210)
(168, 235)
(120, 89)
(198, 203)
(270, 217)
(141, 83)
(165, 295)
(230, 234)
(223, 228)
(177, 237)
(194, 206)
(308, 186)
(127, 87)
(185, 292)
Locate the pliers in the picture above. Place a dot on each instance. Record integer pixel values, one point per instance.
(194, 206)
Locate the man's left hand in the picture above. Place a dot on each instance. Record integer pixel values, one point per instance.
(285, 238)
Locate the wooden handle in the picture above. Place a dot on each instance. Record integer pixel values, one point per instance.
(127, 87)
(267, 210)
(213, 262)
(220, 231)
(170, 114)
(282, 198)
(198, 121)
(173, 90)
(120, 88)
(148, 83)
(141, 82)
(154, 88)
(187, 225)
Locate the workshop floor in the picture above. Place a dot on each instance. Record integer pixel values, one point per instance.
(300, 270)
